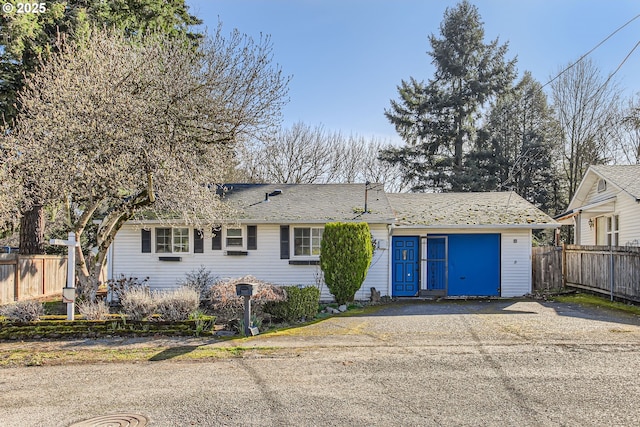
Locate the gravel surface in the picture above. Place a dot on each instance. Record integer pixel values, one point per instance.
(502, 363)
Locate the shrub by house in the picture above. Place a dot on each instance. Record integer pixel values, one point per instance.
(345, 257)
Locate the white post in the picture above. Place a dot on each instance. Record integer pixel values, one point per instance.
(69, 291)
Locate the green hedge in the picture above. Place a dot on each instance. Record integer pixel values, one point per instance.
(100, 328)
(301, 303)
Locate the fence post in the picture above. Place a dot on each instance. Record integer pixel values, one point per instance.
(564, 265)
(44, 275)
(611, 279)
(16, 280)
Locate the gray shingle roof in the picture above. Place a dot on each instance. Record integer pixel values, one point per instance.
(321, 203)
(308, 202)
(454, 209)
(626, 177)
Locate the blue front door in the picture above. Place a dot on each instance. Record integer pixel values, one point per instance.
(405, 266)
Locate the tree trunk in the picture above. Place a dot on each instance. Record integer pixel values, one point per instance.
(32, 231)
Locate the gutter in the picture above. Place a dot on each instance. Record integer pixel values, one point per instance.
(257, 221)
(480, 226)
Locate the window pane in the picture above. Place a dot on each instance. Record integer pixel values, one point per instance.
(316, 238)
(302, 241)
(234, 237)
(163, 240)
(181, 240)
(234, 232)
(601, 231)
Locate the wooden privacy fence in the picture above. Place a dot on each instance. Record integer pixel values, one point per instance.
(613, 271)
(546, 264)
(31, 276)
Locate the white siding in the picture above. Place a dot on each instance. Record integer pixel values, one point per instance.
(515, 263)
(263, 263)
(624, 206)
(587, 234)
(629, 218)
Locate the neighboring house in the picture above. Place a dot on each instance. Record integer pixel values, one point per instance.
(472, 244)
(606, 207)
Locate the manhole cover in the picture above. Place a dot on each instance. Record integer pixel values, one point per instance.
(123, 420)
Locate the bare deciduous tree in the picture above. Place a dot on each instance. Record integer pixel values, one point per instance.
(627, 133)
(118, 127)
(305, 154)
(585, 105)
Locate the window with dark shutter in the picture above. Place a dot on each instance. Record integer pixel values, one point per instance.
(146, 241)
(216, 240)
(284, 242)
(198, 241)
(252, 237)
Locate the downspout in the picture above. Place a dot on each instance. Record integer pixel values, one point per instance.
(390, 228)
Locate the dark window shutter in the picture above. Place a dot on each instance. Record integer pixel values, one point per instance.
(198, 241)
(216, 240)
(284, 242)
(252, 237)
(146, 241)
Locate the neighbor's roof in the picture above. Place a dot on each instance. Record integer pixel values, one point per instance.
(627, 177)
(308, 202)
(624, 177)
(473, 209)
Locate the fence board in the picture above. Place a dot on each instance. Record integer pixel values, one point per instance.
(55, 275)
(613, 271)
(546, 265)
(31, 276)
(7, 281)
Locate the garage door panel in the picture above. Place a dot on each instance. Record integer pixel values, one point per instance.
(474, 265)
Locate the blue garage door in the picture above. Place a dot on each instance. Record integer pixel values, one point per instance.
(474, 264)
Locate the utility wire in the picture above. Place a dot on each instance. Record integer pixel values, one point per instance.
(594, 48)
(621, 64)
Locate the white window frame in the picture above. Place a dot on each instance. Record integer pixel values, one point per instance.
(608, 230)
(176, 240)
(613, 230)
(313, 244)
(243, 236)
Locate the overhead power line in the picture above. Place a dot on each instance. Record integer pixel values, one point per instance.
(594, 48)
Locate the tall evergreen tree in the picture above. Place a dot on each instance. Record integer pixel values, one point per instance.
(438, 119)
(518, 148)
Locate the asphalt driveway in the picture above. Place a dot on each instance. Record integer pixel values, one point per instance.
(448, 363)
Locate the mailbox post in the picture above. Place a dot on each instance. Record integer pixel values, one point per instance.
(246, 290)
(69, 292)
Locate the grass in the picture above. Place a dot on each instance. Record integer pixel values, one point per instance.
(15, 357)
(597, 301)
(26, 357)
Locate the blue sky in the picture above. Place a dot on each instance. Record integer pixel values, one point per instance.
(347, 57)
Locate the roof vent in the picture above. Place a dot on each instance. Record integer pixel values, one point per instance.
(273, 193)
(602, 185)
